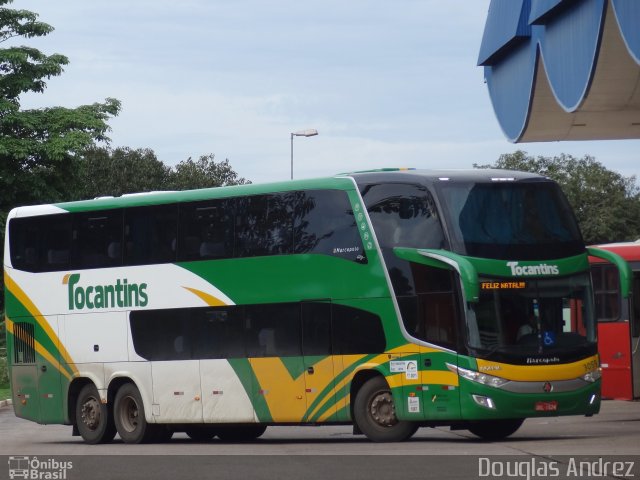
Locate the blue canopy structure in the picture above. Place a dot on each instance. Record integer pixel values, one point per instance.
(564, 69)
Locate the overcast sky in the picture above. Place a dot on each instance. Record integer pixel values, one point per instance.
(386, 84)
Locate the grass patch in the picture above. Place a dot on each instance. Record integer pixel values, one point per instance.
(5, 392)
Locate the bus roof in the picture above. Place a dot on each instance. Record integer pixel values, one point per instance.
(630, 251)
(340, 182)
(159, 198)
(478, 175)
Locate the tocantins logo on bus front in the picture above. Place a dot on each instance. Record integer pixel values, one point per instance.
(122, 294)
(526, 270)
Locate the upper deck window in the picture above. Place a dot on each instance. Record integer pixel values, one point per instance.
(507, 220)
(403, 215)
(297, 222)
(324, 223)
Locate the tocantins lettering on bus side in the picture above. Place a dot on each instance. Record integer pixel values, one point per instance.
(122, 295)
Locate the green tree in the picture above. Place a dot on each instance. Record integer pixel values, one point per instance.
(39, 148)
(204, 173)
(606, 204)
(115, 172)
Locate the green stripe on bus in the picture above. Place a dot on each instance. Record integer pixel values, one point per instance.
(247, 377)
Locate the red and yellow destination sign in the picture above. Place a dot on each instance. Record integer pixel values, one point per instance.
(506, 285)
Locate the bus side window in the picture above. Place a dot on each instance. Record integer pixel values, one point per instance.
(41, 244)
(324, 224)
(206, 230)
(273, 330)
(150, 234)
(432, 314)
(264, 225)
(403, 215)
(161, 334)
(606, 286)
(97, 239)
(316, 328)
(356, 331)
(24, 234)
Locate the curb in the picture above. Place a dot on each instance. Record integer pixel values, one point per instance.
(4, 403)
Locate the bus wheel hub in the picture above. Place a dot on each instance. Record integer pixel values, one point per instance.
(382, 409)
(91, 413)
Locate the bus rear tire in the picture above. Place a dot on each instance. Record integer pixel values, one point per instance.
(93, 418)
(495, 429)
(129, 417)
(375, 413)
(240, 433)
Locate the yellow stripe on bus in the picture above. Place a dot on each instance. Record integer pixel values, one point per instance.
(324, 375)
(284, 395)
(22, 297)
(539, 373)
(432, 377)
(206, 298)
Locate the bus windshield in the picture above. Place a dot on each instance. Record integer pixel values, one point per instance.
(516, 320)
(505, 220)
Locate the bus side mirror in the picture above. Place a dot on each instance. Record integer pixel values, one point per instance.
(624, 269)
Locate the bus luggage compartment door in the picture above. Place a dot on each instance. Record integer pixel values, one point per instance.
(49, 378)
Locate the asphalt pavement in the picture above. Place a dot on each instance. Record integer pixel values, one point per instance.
(557, 444)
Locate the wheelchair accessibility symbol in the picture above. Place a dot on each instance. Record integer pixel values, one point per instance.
(549, 338)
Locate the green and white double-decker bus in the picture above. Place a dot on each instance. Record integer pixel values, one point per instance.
(389, 300)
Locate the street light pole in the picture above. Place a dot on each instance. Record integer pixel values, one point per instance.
(303, 133)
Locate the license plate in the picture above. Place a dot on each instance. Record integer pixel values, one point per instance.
(546, 406)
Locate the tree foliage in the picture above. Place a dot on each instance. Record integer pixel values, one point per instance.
(204, 173)
(39, 148)
(606, 203)
(106, 172)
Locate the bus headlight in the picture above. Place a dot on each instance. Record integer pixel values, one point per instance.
(482, 378)
(592, 376)
(483, 401)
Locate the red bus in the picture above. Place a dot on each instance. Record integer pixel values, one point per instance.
(617, 299)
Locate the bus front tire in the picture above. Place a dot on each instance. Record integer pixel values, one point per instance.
(375, 413)
(93, 418)
(129, 417)
(495, 429)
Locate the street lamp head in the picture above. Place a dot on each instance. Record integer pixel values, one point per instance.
(305, 133)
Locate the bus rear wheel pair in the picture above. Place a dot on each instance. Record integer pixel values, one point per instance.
(96, 424)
